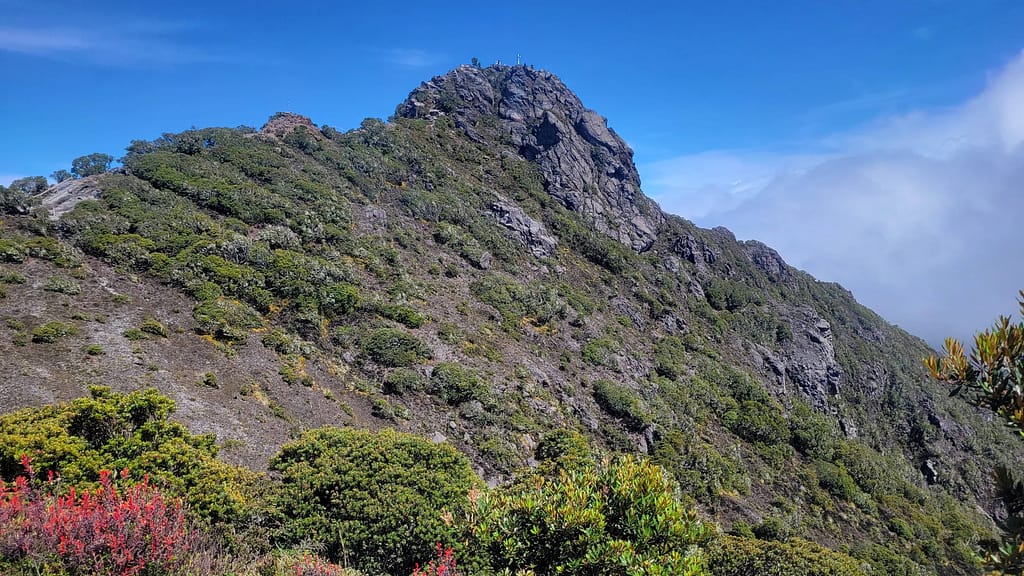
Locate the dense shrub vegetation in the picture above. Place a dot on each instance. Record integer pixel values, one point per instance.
(370, 266)
(378, 503)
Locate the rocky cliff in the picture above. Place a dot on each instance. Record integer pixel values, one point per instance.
(586, 165)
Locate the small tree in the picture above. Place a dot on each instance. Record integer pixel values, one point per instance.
(30, 185)
(90, 165)
(18, 198)
(61, 175)
(992, 376)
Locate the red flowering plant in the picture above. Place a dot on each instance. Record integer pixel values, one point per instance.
(131, 531)
(442, 565)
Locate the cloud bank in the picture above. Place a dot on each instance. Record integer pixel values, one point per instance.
(920, 215)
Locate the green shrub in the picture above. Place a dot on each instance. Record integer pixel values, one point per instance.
(869, 469)
(404, 315)
(11, 277)
(338, 299)
(598, 352)
(836, 480)
(53, 331)
(402, 381)
(209, 380)
(563, 445)
(620, 517)
(62, 286)
(517, 302)
(621, 402)
(135, 334)
(670, 357)
(698, 467)
(293, 370)
(394, 348)
(154, 327)
(376, 501)
(226, 320)
(758, 422)
(280, 342)
(773, 528)
(733, 556)
(812, 433)
(455, 384)
(94, 350)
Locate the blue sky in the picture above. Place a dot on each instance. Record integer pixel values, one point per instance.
(732, 107)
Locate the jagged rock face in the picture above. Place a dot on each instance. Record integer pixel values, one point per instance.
(767, 259)
(696, 250)
(809, 362)
(533, 234)
(586, 166)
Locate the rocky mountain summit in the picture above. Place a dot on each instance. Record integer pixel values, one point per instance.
(481, 270)
(586, 165)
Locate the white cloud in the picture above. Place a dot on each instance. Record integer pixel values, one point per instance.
(126, 44)
(920, 215)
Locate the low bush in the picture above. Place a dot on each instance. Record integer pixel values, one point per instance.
(115, 431)
(758, 422)
(622, 517)
(377, 500)
(733, 556)
(226, 320)
(62, 285)
(455, 384)
(621, 402)
(402, 381)
(154, 327)
(52, 332)
(394, 348)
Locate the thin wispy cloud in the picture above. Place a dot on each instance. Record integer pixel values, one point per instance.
(411, 57)
(41, 41)
(126, 44)
(918, 214)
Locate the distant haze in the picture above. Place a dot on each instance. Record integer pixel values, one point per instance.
(920, 214)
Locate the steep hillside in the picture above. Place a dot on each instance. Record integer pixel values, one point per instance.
(480, 270)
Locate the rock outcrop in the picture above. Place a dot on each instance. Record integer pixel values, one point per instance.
(810, 360)
(60, 198)
(533, 234)
(586, 166)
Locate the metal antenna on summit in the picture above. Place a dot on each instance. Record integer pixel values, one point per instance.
(518, 58)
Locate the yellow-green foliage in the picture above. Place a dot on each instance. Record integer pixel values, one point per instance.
(992, 376)
(621, 402)
(53, 331)
(116, 431)
(617, 517)
(732, 556)
(227, 320)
